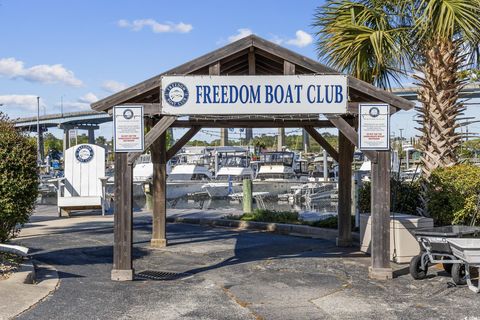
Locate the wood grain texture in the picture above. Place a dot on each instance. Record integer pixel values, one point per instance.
(380, 210)
(159, 161)
(122, 220)
(345, 159)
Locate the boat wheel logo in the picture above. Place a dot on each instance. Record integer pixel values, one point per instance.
(128, 114)
(84, 153)
(374, 112)
(176, 94)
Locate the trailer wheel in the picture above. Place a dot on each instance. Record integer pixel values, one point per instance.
(447, 266)
(416, 268)
(458, 274)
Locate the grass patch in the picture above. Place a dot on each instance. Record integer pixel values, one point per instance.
(330, 223)
(261, 215)
(291, 217)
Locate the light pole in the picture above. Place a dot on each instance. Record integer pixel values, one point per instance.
(39, 156)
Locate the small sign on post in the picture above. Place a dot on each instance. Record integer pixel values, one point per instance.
(374, 126)
(128, 131)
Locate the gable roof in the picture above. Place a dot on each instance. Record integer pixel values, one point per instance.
(234, 60)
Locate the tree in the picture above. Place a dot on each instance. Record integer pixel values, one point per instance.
(52, 143)
(18, 178)
(379, 40)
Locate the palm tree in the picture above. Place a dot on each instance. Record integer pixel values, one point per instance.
(379, 40)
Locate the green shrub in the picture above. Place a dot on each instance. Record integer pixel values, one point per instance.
(452, 194)
(330, 223)
(18, 179)
(404, 196)
(271, 216)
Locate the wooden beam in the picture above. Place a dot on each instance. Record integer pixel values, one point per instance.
(122, 220)
(380, 209)
(186, 68)
(382, 95)
(160, 127)
(322, 142)
(251, 61)
(252, 123)
(345, 154)
(159, 217)
(182, 141)
(345, 128)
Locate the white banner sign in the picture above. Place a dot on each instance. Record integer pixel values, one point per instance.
(296, 94)
(128, 134)
(374, 126)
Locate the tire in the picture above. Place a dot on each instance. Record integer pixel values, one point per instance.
(458, 274)
(447, 266)
(415, 268)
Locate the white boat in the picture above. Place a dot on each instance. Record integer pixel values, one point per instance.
(276, 174)
(185, 179)
(229, 179)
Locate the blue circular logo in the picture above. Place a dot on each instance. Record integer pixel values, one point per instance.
(84, 153)
(176, 94)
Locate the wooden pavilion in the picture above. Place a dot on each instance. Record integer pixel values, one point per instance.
(251, 55)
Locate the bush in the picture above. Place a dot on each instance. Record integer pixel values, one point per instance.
(404, 196)
(18, 179)
(452, 194)
(271, 216)
(330, 223)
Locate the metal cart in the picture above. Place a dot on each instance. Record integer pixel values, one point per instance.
(436, 249)
(468, 251)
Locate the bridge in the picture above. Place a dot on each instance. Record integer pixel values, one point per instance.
(84, 120)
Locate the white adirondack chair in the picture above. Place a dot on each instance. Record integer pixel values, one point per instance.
(83, 184)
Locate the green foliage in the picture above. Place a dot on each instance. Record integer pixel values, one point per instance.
(330, 223)
(271, 216)
(50, 142)
(453, 194)
(404, 196)
(18, 179)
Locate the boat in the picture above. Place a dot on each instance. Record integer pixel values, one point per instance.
(185, 179)
(276, 174)
(234, 168)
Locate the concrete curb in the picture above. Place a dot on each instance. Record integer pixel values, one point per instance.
(279, 228)
(24, 274)
(23, 290)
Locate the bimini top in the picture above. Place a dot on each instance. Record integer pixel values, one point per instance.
(249, 55)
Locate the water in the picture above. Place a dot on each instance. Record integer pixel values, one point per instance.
(222, 204)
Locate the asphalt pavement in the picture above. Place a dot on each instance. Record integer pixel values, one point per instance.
(228, 274)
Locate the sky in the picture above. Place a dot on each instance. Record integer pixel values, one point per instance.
(81, 51)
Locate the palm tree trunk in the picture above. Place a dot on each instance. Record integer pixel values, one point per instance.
(438, 94)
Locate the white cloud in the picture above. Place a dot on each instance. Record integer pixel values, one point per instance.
(24, 102)
(157, 27)
(113, 86)
(43, 73)
(302, 39)
(88, 98)
(241, 33)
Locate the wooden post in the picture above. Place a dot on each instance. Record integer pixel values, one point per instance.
(345, 155)
(122, 221)
(380, 210)
(247, 196)
(159, 217)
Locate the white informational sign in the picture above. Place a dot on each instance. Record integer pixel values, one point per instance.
(128, 134)
(295, 94)
(374, 126)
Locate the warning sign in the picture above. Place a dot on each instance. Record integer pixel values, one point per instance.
(374, 126)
